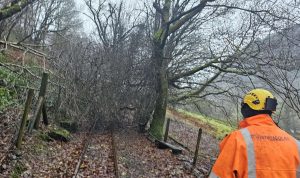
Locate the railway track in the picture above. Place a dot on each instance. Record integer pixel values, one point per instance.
(93, 148)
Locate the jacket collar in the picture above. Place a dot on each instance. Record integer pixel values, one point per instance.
(258, 120)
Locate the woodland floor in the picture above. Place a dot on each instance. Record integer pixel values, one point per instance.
(136, 155)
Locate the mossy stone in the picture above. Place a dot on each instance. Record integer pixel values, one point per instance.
(60, 134)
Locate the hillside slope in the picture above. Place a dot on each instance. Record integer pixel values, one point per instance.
(216, 128)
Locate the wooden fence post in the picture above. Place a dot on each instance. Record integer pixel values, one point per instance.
(44, 83)
(24, 118)
(36, 115)
(57, 105)
(167, 130)
(44, 113)
(197, 147)
(41, 100)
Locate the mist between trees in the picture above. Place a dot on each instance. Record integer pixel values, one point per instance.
(199, 55)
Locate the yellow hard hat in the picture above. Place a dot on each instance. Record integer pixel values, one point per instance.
(260, 99)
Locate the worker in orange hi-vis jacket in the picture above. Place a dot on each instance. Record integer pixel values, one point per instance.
(259, 149)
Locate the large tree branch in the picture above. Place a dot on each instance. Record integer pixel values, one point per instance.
(192, 71)
(235, 71)
(185, 16)
(256, 12)
(13, 8)
(170, 26)
(201, 5)
(197, 92)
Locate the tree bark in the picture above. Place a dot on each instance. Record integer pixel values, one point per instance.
(13, 8)
(167, 130)
(158, 122)
(166, 27)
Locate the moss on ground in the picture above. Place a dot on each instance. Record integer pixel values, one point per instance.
(44, 137)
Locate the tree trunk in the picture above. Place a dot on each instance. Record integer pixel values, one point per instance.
(158, 122)
(161, 62)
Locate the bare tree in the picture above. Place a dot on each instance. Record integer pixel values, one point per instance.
(45, 18)
(226, 49)
(109, 76)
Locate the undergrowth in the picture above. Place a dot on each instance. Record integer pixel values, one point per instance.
(10, 86)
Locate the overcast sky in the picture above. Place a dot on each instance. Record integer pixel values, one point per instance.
(87, 24)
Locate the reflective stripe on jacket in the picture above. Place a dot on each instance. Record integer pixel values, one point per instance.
(258, 150)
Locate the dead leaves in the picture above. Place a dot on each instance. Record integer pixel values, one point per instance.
(137, 156)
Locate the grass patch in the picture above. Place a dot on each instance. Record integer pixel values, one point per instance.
(12, 79)
(2, 58)
(221, 128)
(18, 170)
(9, 89)
(11, 83)
(6, 98)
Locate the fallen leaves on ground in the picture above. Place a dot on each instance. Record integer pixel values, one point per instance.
(137, 156)
(98, 160)
(185, 131)
(8, 128)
